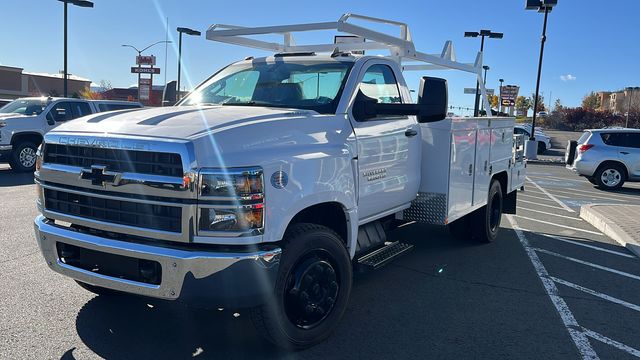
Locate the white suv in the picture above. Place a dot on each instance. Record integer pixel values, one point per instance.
(606, 157)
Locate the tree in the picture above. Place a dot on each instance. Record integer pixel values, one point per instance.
(86, 93)
(557, 105)
(494, 101)
(523, 104)
(541, 106)
(591, 101)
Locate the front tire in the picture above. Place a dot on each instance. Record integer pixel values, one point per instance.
(312, 289)
(610, 176)
(486, 220)
(23, 158)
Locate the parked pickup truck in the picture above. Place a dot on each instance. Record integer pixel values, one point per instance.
(23, 122)
(276, 177)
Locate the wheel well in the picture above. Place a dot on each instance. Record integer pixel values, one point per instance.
(503, 179)
(612, 162)
(30, 137)
(331, 215)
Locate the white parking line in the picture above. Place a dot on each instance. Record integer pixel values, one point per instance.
(535, 203)
(597, 294)
(586, 245)
(589, 197)
(579, 338)
(600, 267)
(589, 192)
(551, 214)
(569, 193)
(542, 198)
(564, 206)
(560, 225)
(553, 178)
(615, 344)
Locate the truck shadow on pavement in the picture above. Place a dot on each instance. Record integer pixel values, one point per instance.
(390, 312)
(9, 177)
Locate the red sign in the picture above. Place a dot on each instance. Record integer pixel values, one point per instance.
(145, 81)
(145, 70)
(146, 60)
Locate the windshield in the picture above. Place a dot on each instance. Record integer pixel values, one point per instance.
(24, 107)
(301, 85)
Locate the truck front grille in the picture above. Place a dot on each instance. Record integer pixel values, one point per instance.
(118, 160)
(156, 217)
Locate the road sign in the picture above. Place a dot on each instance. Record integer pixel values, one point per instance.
(146, 60)
(145, 70)
(473, 91)
(144, 88)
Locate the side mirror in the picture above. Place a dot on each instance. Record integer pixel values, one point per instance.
(432, 103)
(169, 95)
(434, 98)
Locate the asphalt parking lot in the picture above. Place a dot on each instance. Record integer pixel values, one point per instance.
(551, 287)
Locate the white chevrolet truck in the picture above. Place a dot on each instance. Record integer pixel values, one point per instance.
(275, 178)
(23, 123)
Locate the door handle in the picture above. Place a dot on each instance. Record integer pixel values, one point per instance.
(410, 133)
(624, 153)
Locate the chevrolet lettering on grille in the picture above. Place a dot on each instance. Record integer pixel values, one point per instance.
(100, 176)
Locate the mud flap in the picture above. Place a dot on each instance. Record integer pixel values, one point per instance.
(510, 201)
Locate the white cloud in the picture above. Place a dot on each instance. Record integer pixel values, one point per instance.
(567, 77)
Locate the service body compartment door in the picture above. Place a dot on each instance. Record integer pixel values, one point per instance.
(461, 172)
(483, 166)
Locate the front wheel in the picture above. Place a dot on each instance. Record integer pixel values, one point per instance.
(312, 289)
(23, 158)
(486, 220)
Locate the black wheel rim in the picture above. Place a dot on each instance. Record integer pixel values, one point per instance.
(311, 291)
(494, 213)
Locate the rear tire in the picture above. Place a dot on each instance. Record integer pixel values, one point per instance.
(97, 289)
(485, 221)
(23, 158)
(610, 176)
(312, 289)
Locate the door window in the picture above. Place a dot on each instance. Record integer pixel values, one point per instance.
(613, 139)
(633, 140)
(380, 83)
(80, 109)
(60, 112)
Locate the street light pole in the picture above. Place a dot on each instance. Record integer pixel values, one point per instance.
(80, 3)
(187, 31)
(482, 34)
(501, 107)
(486, 68)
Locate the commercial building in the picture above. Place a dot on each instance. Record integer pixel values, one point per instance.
(16, 83)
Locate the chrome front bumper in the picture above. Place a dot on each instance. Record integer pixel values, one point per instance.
(222, 278)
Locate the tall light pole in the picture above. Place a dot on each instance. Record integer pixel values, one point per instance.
(543, 6)
(140, 54)
(486, 68)
(80, 3)
(482, 34)
(183, 30)
(630, 96)
(501, 107)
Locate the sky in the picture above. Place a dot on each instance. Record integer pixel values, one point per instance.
(591, 45)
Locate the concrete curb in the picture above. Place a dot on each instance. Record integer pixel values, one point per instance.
(590, 214)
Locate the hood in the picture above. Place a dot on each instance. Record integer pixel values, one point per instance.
(178, 122)
(5, 116)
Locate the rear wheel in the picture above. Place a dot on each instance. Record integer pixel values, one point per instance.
(610, 176)
(23, 158)
(485, 221)
(312, 289)
(541, 147)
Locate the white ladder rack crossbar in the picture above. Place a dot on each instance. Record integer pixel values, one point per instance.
(401, 47)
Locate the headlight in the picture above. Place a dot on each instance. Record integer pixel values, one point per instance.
(231, 202)
(39, 155)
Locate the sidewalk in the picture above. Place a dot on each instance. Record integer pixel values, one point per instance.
(619, 222)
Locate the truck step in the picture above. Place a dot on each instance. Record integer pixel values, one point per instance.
(382, 256)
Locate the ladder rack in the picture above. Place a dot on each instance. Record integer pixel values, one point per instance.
(401, 48)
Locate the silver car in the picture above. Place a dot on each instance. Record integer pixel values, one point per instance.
(606, 157)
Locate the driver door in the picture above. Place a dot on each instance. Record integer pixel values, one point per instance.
(388, 146)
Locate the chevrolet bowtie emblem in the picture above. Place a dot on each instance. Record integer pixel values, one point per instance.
(100, 176)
